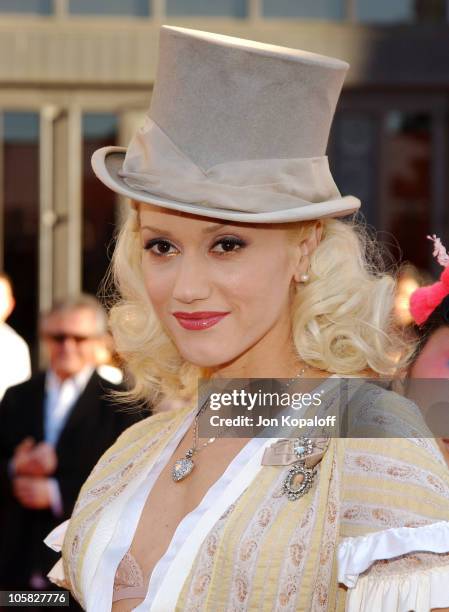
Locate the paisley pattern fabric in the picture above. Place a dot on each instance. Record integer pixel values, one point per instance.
(266, 552)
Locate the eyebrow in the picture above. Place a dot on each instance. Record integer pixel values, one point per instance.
(207, 230)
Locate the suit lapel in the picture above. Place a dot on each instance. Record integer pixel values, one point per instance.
(84, 407)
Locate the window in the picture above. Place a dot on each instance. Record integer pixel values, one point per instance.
(314, 9)
(138, 8)
(408, 181)
(212, 8)
(353, 152)
(42, 7)
(385, 159)
(400, 11)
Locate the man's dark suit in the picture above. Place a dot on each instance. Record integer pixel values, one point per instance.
(92, 426)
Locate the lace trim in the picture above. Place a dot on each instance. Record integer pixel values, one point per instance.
(129, 573)
(129, 580)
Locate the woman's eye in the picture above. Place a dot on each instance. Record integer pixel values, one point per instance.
(160, 247)
(228, 245)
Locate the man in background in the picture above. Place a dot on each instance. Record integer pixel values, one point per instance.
(53, 429)
(15, 365)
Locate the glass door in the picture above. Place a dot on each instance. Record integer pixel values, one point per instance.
(57, 221)
(19, 216)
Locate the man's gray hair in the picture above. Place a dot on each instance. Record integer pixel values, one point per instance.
(81, 301)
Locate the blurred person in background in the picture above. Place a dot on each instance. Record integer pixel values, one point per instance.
(15, 365)
(429, 309)
(53, 429)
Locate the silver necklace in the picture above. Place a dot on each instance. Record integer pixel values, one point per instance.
(184, 466)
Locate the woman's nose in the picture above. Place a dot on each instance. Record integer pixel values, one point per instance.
(192, 280)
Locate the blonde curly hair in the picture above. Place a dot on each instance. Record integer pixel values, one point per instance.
(342, 319)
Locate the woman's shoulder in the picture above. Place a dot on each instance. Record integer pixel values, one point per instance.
(394, 507)
(136, 443)
(388, 439)
(393, 479)
(164, 413)
(376, 407)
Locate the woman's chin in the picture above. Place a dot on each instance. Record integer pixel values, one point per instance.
(204, 358)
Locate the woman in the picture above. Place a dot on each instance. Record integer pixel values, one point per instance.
(256, 279)
(429, 307)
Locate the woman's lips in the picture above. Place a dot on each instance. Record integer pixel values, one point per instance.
(199, 320)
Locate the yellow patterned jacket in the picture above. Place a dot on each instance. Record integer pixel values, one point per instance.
(371, 534)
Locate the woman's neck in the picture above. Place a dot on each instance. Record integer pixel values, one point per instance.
(278, 361)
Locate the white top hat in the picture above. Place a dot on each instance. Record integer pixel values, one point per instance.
(236, 130)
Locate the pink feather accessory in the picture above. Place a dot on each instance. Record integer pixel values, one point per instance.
(439, 252)
(424, 300)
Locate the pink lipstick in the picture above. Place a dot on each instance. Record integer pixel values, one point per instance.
(199, 320)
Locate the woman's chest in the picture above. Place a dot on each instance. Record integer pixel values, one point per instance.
(229, 508)
(251, 527)
(170, 501)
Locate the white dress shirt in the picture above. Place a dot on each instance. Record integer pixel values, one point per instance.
(60, 398)
(15, 365)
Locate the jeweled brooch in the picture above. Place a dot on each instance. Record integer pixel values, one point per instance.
(303, 455)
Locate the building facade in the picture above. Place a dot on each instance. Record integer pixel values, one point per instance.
(77, 74)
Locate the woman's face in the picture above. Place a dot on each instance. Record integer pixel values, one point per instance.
(218, 288)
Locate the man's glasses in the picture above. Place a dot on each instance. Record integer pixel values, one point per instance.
(61, 338)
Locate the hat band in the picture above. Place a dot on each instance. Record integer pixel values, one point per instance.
(155, 165)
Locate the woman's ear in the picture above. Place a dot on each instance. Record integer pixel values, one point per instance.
(306, 248)
(315, 236)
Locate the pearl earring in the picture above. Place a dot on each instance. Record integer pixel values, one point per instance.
(304, 278)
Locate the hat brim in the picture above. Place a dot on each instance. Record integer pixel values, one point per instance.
(108, 161)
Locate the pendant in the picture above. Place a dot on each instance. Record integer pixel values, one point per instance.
(182, 467)
(293, 491)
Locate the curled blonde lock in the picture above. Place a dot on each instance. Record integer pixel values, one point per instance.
(342, 318)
